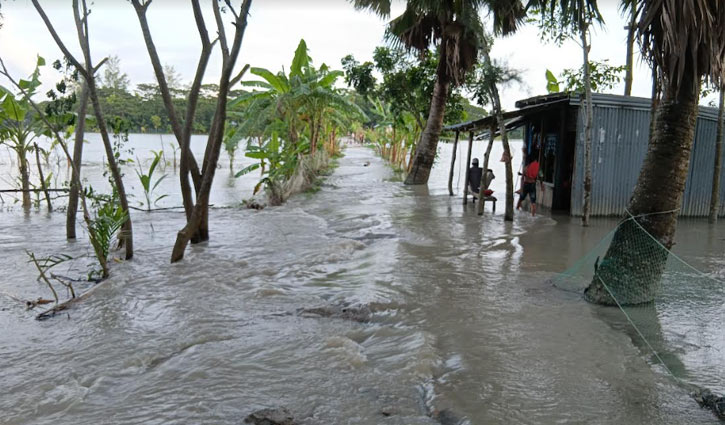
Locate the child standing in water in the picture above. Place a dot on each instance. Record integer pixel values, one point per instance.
(531, 172)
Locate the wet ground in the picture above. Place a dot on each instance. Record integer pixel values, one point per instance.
(459, 324)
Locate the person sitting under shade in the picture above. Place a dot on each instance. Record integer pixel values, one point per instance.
(474, 179)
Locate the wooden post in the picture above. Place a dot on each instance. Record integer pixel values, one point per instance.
(484, 180)
(453, 163)
(468, 167)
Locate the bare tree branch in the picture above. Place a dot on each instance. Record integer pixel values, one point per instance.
(100, 64)
(59, 42)
(220, 30)
(231, 9)
(176, 126)
(239, 76)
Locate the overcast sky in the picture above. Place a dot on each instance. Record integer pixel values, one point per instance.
(332, 29)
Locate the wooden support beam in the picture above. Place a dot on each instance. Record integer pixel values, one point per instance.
(468, 167)
(453, 163)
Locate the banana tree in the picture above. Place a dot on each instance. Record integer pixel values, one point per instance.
(277, 161)
(18, 128)
(289, 115)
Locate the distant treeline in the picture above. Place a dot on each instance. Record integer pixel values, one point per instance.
(143, 110)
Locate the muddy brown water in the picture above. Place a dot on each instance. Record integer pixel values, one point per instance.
(462, 320)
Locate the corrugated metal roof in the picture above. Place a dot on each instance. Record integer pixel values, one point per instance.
(485, 122)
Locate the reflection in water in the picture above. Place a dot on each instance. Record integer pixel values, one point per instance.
(462, 321)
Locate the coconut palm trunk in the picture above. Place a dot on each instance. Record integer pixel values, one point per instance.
(425, 151)
(634, 263)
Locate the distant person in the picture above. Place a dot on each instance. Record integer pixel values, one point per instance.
(531, 173)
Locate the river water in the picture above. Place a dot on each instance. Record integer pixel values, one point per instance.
(464, 327)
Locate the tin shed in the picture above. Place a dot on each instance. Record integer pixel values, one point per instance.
(555, 135)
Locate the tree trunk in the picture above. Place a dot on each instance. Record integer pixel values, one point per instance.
(199, 220)
(509, 212)
(453, 164)
(484, 175)
(127, 229)
(70, 225)
(425, 152)
(24, 176)
(188, 166)
(589, 111)
(634, 262)
(42, 178)
(631, 28)
(715, 197)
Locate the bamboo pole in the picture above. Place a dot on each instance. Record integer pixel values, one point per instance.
(453, 163)
(468, 168)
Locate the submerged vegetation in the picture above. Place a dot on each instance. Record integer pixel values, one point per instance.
(292, 122)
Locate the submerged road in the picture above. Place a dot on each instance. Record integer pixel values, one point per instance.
(365, 303)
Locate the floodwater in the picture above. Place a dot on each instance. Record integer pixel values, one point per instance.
(464, 326)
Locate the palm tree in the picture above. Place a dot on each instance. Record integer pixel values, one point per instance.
(455, 27)
(685, 42)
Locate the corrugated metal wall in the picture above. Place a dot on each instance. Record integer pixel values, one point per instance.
(619, 145)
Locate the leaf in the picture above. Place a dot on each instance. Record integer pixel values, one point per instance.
(13, 109)
(40, 62)
(154, 163)
(247, 97)
(257, 155)
(145, 182)
(160, 198)
(257, 187)
(247, 170)
(158, 181)
(552, 84)
(301, 59)
(273, 80)
(329, 79)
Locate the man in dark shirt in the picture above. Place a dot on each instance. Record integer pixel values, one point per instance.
(474, 177)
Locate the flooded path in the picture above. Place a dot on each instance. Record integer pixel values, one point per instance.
(457, 320)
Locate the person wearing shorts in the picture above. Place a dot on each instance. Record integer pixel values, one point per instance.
(531, 172)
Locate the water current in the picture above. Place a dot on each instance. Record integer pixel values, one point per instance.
(464, 327)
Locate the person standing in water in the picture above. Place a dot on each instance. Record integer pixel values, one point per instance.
(531, 173)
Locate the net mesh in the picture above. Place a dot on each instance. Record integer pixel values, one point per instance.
(673, 311)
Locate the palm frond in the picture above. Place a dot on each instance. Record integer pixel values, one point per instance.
(379, 7)
(676, 34)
